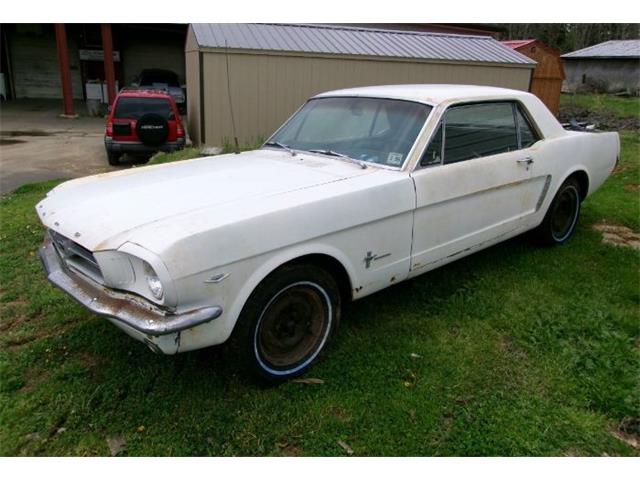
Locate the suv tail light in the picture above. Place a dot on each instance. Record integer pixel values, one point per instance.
(109, 129)
(180, 130)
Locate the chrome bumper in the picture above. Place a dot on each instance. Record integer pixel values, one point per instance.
(136, 313)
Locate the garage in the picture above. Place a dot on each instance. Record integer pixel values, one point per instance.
(32, 55)
(251, 77)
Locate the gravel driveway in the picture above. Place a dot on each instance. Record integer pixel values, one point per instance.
(37, 145)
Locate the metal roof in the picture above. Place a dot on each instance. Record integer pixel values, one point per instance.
(340, 40)
(610, 49)
(515, 44)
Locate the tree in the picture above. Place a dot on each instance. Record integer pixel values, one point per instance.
(568, 37)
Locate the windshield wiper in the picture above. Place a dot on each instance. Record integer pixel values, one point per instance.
(283, 146)
(339, 155)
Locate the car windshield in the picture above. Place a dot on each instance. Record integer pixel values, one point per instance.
(135, 107)
(374, 130)
(153, 77)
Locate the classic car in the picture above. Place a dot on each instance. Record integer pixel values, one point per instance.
(360, 189)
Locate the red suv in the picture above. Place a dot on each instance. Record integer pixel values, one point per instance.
(142, 122)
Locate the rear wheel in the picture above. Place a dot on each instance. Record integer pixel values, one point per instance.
(288, 321)
(113, 158)
(561, 220)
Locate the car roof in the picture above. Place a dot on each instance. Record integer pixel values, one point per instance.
(145, 92)
(427, 93)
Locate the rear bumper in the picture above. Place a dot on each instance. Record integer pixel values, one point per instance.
(159, 329)
(115, 146)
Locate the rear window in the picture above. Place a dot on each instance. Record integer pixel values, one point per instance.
(135, 107)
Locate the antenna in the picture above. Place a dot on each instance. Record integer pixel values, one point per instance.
(233, 120)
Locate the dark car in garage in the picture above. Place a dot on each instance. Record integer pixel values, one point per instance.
(160, 79)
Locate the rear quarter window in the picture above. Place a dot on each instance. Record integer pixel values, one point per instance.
(135, 107)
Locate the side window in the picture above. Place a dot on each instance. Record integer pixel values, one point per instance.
(528, 136)
(479, 130)
(433, 154)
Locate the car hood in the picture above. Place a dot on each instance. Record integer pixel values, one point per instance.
(103, 211)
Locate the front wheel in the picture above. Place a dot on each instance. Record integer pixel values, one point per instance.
(561, 220)
(288, 321)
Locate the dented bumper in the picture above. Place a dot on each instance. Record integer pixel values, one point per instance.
(139, 318)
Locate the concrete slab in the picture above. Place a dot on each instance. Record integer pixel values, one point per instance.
(37, 145)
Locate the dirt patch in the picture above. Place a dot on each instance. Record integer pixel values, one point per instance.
(287, 449)
(629, 432)
(339, 414)
(506, 345)
(603, 119)
(26, 133)
(17, 340)
(33, 377)
(632, 187)
(12, 141)
(618, 235)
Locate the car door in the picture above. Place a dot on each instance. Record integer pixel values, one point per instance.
(474, 183)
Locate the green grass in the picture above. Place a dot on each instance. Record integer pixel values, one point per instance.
(518, 350)
(184, 154)
(622, 107)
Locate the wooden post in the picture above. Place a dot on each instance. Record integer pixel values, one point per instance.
(109, 71)
(65, 71)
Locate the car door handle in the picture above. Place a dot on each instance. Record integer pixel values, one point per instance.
(526, 160)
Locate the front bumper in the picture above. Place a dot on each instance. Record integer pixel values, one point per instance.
(137, 317)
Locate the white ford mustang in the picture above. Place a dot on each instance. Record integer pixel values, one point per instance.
(358, 190)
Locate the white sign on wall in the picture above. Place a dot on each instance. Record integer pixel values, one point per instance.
(97, 55)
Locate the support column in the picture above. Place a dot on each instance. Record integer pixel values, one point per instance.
(109, 71)
(65, 71)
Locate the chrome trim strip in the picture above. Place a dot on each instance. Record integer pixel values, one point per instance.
(132, 311)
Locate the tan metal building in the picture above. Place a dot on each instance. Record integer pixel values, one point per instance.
(266, 71)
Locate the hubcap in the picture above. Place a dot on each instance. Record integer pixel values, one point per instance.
(293, 327)
(564, 214)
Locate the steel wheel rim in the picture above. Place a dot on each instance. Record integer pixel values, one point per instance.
(292, 328)
(565, 214)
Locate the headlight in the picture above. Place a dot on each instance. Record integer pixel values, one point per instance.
(153, 282)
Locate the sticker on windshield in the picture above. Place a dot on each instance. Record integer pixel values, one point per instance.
(394, 158)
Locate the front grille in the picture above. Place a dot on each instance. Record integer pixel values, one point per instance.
(76, 256)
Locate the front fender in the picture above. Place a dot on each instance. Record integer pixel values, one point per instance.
(244, 277)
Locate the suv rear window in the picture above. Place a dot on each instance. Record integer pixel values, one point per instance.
(135, 107)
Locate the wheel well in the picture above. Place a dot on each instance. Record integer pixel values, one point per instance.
(331, 265)
(583, 181)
